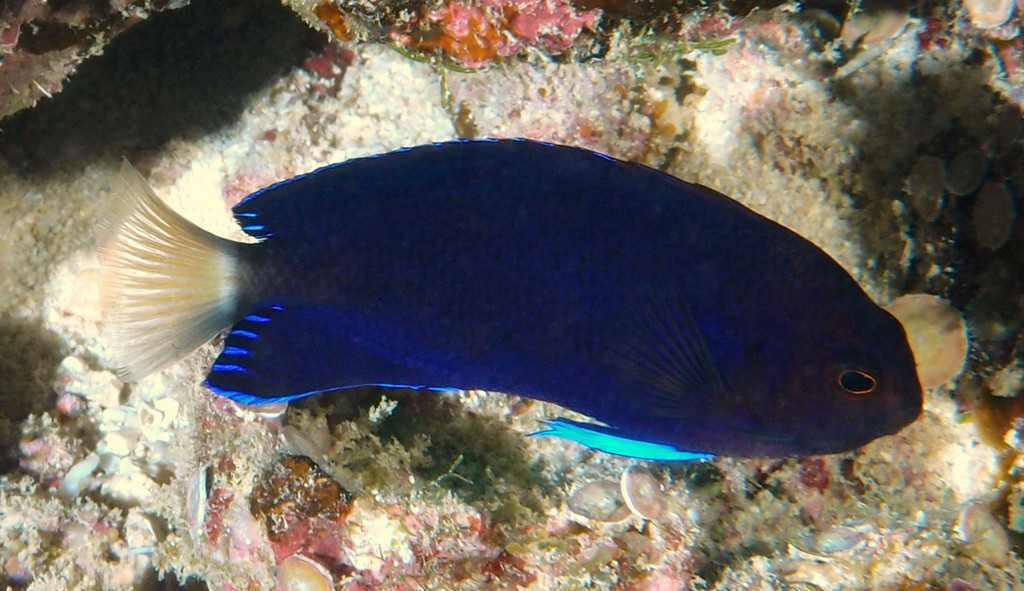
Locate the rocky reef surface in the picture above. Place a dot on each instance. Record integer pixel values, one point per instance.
(890, 137)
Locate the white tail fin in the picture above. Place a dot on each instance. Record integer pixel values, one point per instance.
(167, 285)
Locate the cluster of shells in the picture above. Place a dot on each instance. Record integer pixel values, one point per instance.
(933, 183)
(637, 493)
(136, 436)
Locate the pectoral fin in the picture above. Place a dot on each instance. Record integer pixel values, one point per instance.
(663, 354)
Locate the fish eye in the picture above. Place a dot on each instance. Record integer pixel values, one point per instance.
(857, 382)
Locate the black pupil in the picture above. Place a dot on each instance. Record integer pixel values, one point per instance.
(856, 382)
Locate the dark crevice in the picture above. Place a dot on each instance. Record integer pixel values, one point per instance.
(181, 74)
(30, 355)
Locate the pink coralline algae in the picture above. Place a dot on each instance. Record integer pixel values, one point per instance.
(47, 457)
(548, 24)
(328, 67)
(474, 34)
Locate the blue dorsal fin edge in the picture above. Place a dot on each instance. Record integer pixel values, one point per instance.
(260, 212)
(611, 441)
(250, 227)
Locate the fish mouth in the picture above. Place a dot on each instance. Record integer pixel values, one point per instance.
(906, 404)
(903, 418)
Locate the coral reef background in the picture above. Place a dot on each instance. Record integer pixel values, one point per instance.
(888, 134)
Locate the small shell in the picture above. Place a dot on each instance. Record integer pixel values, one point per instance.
(642, 493)
(139, 533)
(314, 442)
(937, 335)
(871, 29)
(838, 539)
(298, 573)
(268, 412)
(600, 501)
(988, 14)
(965, 172)
(984, 535)
(273, 410)
(993, 216)
(78, 476)
(195, 501)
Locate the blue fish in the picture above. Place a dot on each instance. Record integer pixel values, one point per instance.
(683, 323)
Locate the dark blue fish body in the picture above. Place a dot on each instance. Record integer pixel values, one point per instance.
(672, 314)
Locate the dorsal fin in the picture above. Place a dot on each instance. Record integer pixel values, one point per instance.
(252, 223)
(291, 208)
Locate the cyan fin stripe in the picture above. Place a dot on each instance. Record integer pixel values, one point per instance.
(228, 368)
(254, 227)
(600, 439)
(257, 318)
(277, 308)
(246, 214)
(235, 351)
(245, 334)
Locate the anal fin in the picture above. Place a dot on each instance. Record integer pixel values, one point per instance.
(278, 354)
